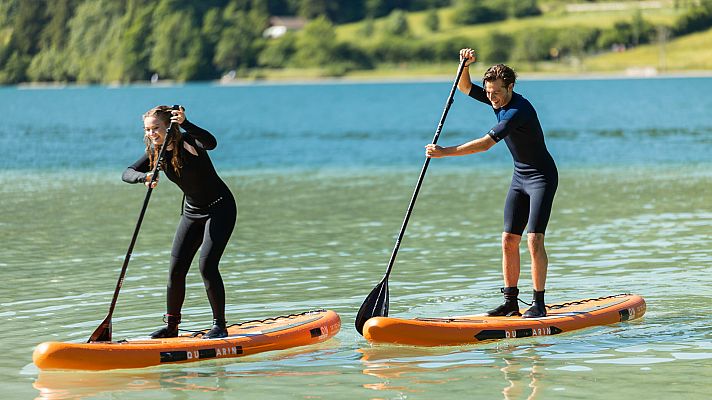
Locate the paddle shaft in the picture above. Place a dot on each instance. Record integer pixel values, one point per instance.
(129, 252)
(424, 170)
(104, 329)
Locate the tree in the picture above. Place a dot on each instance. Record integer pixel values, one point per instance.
(618, 34)
(212, 27)
(278, 51)
(177, 48)
(395, 49)
(24, 20)
(432, 21)
(641, 30)
(310, 9)
(336, 11)
(14, 68)
(54, 33)
(241, 39)
(445, 50)
(6, 14)
(28, 20)
(134, 50)
(497, 48)
(397, 23)
(576, 41)
(523, 8)
(94, 33)
(48, 66)
(698, 18)
(49, 63)
(637, 31)
(534, 45)
(379, 8)
(368, 27)
(350, 11)
(316, 44)
(376, 8)
(469, 12)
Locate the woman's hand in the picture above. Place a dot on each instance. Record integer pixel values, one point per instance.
(178, 115)
(147, 181)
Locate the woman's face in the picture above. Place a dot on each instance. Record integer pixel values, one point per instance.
(155, 130)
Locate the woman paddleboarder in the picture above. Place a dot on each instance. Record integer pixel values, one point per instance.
(209, 212)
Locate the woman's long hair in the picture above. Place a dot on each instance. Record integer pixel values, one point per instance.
(163, 113)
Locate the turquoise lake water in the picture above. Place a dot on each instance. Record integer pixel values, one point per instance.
(323, 174)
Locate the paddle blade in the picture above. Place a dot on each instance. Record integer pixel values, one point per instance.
(102, 333)
(375, 305)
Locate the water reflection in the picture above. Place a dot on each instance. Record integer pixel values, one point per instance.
(517, 375)
(513, 372)
(538, 369)
(73, 385)
(181, 384)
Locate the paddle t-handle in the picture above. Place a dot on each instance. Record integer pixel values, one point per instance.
(377, 302)
(103, 332)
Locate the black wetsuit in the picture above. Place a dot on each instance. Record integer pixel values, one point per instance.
(208, 218)
(535, 177)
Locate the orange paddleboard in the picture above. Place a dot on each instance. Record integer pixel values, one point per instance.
(243, 339)
(564, 317)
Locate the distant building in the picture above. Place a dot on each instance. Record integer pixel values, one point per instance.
(278, 26)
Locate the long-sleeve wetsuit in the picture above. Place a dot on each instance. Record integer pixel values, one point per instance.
(535, 178)
(208, 218)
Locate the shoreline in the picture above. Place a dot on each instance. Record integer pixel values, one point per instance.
(371, 79)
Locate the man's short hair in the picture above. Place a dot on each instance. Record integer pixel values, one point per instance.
(500, 71)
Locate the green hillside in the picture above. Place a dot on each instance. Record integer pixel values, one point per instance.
(691, 52)
(122, 41)
(552, 19)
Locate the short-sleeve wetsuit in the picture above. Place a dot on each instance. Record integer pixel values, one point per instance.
(535, 178)
(208, 218)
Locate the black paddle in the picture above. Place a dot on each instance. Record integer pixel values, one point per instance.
(103, 331)
(376, 303)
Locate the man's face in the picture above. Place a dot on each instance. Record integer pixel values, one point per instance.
(497, 93)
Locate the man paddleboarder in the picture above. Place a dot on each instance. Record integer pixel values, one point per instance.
(534, 182)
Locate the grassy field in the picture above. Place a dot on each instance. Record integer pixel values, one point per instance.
(688, 53)
(553, 19)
